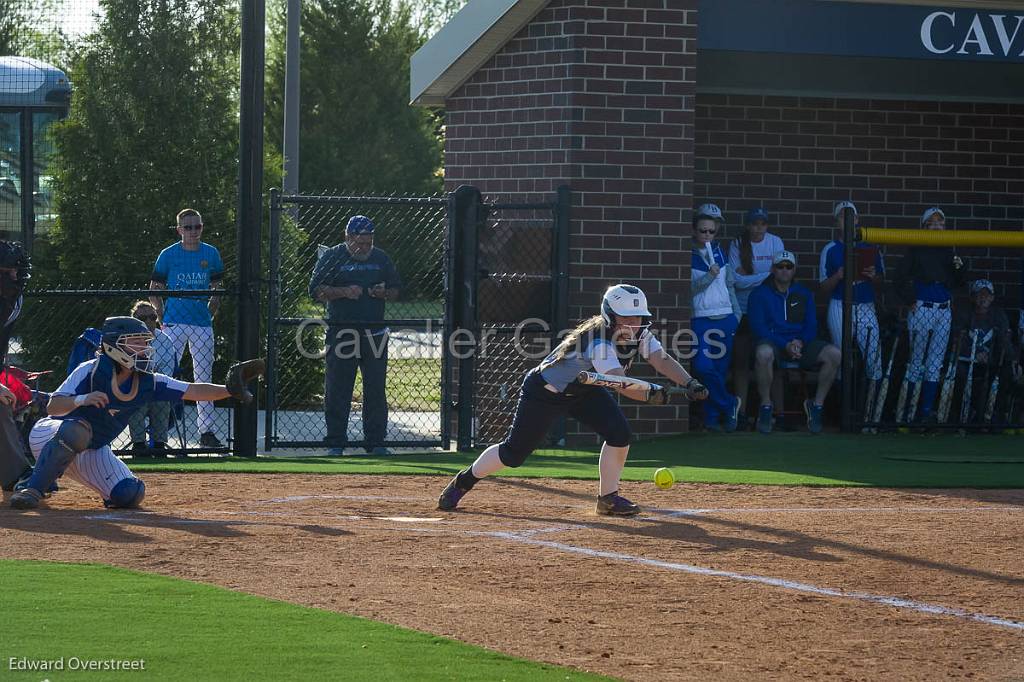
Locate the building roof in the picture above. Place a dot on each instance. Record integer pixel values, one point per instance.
(482, 27)
(464, 44)
(26, 82)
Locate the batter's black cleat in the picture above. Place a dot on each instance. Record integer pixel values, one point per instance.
(614, 504)
(26, 498)
(450, 496)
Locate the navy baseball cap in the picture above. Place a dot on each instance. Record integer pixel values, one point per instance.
(757, 214)
(359, 224)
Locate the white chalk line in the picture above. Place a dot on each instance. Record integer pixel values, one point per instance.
(527, 537)
(791, 585)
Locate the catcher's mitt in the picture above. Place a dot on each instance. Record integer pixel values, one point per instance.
(240, 374)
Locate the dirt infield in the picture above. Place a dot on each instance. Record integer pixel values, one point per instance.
(719, 581)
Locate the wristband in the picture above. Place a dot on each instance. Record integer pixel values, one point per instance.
(79, 400)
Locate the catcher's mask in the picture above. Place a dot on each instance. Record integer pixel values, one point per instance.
(127, 341)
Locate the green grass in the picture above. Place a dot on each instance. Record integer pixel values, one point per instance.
(412, 384)
(188, 631)
(779, 459)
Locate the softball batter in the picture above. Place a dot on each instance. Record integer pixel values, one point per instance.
(606, 343)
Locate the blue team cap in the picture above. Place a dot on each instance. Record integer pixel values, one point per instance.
(359, 224)
(757, 214)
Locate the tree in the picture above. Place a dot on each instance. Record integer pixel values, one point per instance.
(153, 128)
(357, 130)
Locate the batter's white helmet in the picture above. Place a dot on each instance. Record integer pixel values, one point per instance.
(623, 300)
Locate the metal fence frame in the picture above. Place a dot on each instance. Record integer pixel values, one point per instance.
(279, 203)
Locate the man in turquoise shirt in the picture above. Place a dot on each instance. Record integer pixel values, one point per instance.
(191, 264)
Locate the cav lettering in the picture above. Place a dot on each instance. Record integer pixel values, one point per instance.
(985, 35)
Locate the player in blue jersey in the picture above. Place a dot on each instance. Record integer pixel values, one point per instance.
(606, 343)
(191, 264)
(93, 406)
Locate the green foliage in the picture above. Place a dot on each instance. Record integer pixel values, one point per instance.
(152, 129)
(358, 132)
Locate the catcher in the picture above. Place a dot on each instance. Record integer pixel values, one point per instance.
(93, 406)
(606, 343)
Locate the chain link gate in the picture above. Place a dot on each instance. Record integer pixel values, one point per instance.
(412, 231)
(512, 303)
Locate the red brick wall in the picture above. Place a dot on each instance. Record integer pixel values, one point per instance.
(797, 156)
(599, 95)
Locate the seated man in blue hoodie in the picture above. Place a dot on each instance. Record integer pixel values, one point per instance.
(783, 320)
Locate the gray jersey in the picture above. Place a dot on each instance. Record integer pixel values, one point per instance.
(597, 355)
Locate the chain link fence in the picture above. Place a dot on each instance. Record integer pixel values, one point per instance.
(58, 329)
(352, 365)
(520, 308)
(949, 365)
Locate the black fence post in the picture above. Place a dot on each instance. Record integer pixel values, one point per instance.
(250, 205)
(848, 419)
(468, 202)
(560, 283)
(273, 312)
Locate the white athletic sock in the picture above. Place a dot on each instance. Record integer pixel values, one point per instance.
(487, 463)
(610, 465)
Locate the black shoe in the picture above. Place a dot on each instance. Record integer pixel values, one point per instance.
(614, 504)
(138, 447)
(26, 498)
(210, 440)
(453, 492)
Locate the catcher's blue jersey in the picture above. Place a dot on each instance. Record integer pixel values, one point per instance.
(98, 375)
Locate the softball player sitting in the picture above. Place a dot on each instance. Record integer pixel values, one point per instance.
(606, 343)
(93, 406)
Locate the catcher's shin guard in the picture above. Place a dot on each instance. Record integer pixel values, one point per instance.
(72, 437)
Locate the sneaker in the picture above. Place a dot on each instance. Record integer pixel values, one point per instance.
(379, 451)
(813, 413)
(732, 420)
(210, 440)
(764, 419)
(450, 496)
(26, 498)
(614, 504)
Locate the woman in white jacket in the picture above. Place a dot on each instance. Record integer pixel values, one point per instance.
(751, 259)
(716, 314)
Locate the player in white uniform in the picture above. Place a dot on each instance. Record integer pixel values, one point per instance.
(89, 410)
(606, 343)
(831, 274)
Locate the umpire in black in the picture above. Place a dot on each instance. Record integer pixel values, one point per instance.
(355, 279)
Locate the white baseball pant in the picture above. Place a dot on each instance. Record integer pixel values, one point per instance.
(200, 347)
(865, 331)
(926, 358)
(98, 469)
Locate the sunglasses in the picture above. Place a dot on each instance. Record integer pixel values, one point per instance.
(146, 318)
(708, 231)
(189, 228)
(784, 266)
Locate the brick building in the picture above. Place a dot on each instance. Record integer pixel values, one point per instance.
(647, 108)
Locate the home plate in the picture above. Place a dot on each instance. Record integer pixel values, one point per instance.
(406, 519)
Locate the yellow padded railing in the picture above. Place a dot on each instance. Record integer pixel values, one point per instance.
(1005, 238)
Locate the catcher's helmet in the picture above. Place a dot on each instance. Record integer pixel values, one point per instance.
(623, 300)
(126, 341)
(13, 255)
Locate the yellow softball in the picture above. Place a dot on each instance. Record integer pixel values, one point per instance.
(664, 478)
